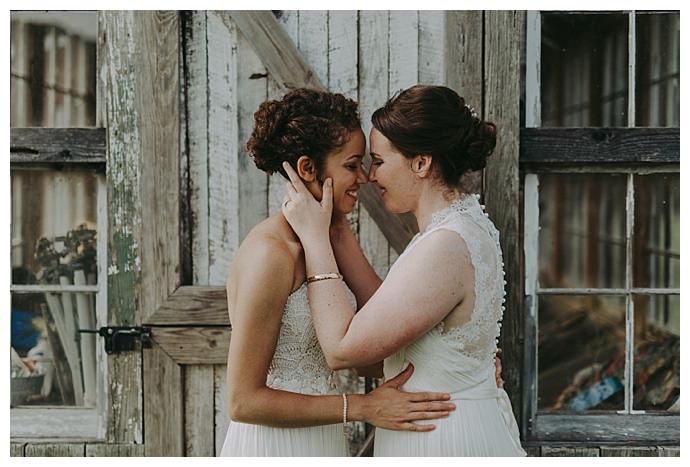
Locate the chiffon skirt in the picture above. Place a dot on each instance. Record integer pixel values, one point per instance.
(476, 428)
(258, 441)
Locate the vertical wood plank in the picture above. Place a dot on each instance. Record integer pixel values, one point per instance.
(463, 68)
(198, 411)
(403, 46)
(431, 47)
(342, 66)
(504, 38)
(197, 129)
(289, 19)
(119, 84)
(342, 52)
(55, 450)
(157, 68)
(222, 414)
(163, 401)
(313, 42)
(114, 450)
(403, 60)
(223, 229)
(373, 93)
(252, 87)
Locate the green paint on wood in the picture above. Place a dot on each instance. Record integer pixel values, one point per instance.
(123, 279)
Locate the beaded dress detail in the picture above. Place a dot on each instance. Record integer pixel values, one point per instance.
(299, 364)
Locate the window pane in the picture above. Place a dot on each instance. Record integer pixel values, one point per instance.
(656, 241)
(53, 68)
(53, 225)
(581, 353)
(584, 68)
(52, 363)
(657, 80)
(657, 353)
(582, 230)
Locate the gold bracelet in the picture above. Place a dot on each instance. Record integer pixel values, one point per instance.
(323, 277)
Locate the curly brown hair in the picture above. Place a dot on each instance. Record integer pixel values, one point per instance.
(303, 122)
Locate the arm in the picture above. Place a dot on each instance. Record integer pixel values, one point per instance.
(358, 274)
(415, 296)
(354, 266)
(256, 326)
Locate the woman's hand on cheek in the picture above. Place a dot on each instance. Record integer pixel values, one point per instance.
(308, 217)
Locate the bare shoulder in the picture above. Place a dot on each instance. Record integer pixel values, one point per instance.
(264, 252)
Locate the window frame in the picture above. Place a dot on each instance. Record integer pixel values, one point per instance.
(56, 149)
(632, 151)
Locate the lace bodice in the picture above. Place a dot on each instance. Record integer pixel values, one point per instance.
(478, 337)
(298, 363)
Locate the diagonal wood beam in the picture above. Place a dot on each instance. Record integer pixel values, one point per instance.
(286, 65)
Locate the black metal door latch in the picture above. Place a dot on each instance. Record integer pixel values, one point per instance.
(122, 338)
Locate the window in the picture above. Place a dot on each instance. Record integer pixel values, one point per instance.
(600, 158)
(58, 228)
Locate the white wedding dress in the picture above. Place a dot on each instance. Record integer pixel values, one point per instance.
(460, 360)
(298, 365)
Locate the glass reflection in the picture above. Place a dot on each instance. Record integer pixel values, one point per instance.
(581, 353)
(582, 230)
(657, 73)
(53, 225)
(584, 69)
(656, 236)
(657, 353)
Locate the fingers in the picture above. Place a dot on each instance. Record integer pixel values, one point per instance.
(408, 426)
(433, 407)
(400, 378)
(327, 200)
(290, 189)
(294, 178)
(428, 415)
(428, 396)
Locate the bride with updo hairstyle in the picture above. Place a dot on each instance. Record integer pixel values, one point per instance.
(282, 396)
(435, 120)
(440, 305)
(302, 122)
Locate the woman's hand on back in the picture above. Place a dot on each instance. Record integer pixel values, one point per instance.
(390, 408)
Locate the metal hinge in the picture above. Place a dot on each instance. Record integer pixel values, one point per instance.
(122, 338)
